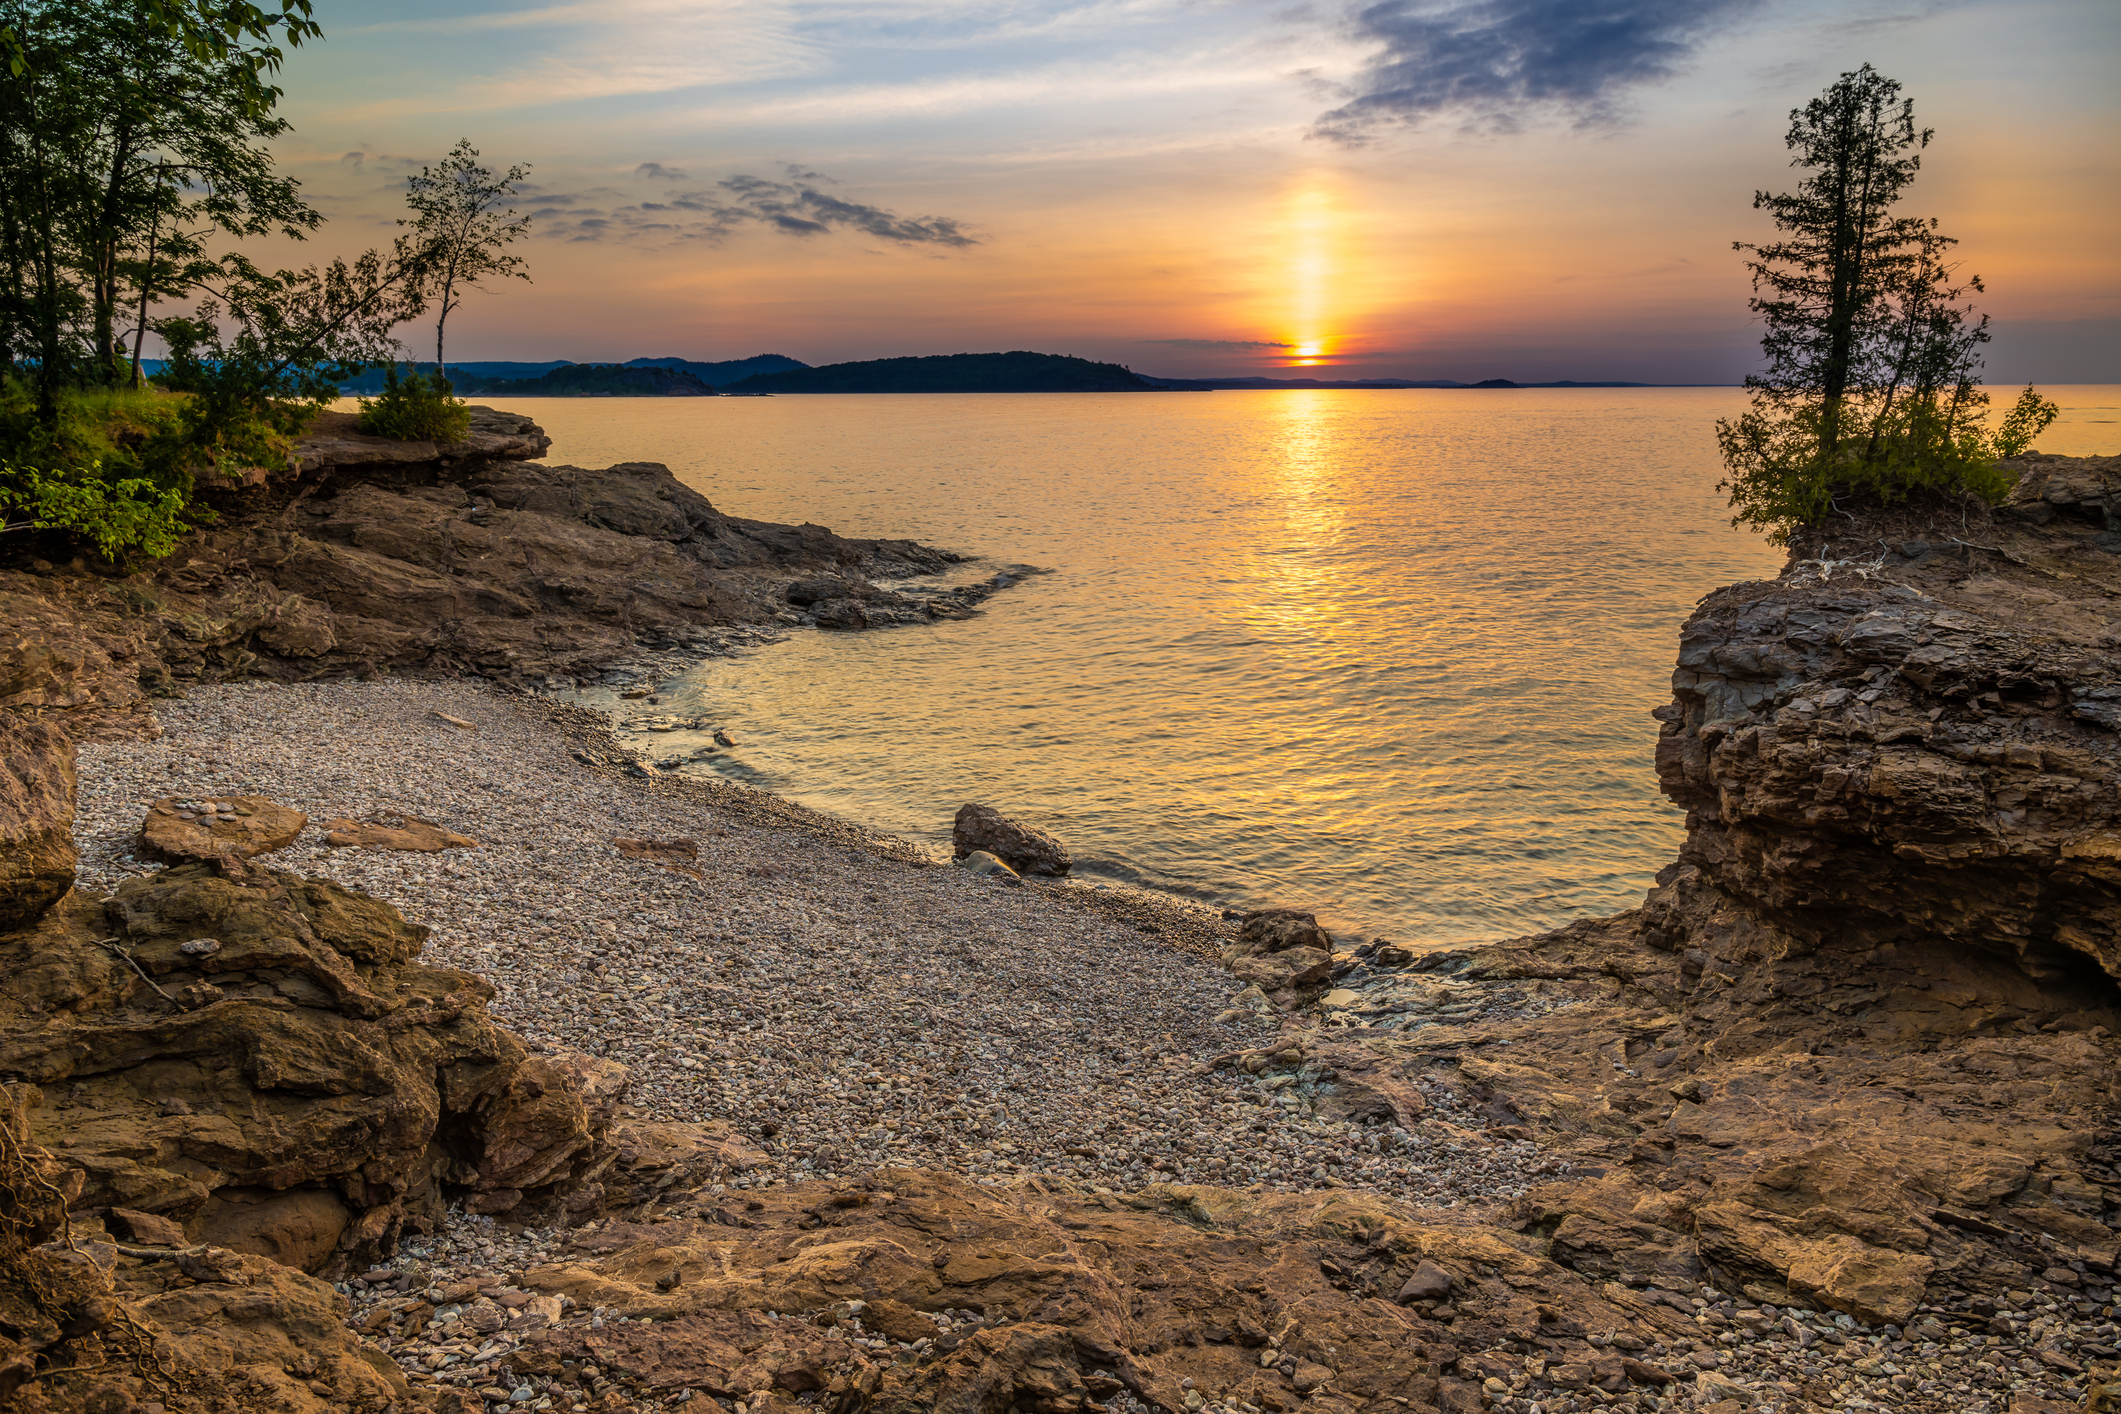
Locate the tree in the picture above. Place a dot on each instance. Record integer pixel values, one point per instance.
(464, 230)
(129, 134)
(1872, 348)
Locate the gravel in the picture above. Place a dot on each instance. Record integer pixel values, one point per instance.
(844, 1000)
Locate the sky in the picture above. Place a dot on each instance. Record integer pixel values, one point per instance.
(1526, 189)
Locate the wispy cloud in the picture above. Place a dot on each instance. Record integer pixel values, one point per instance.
(1494, 63)
(1218, 343)
(659, 172)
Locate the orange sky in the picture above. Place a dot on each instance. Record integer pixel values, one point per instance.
(1506, 190)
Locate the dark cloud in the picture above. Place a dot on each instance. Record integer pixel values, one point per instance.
(1219, 343)
(1491, 63)
(659, 171)
(800, 209)
(353, 160)
(793, 207)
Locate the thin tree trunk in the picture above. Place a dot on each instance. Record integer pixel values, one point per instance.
(147, 280)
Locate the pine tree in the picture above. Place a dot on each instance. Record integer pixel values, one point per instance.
(1872, 347)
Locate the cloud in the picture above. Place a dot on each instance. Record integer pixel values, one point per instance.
(800, 209)
(658, 171)
(1493, 62)
(1218, 343)
(794, 208)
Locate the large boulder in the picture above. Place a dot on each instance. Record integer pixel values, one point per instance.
(1024, 848)
(36, 817)
(262, 1059)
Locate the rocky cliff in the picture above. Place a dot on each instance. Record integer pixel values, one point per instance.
(371, 555)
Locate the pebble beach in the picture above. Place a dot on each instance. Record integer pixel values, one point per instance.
(843, 1000)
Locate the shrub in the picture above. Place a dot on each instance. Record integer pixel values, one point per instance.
(120, 517)
(415, 408)
(2027, 419)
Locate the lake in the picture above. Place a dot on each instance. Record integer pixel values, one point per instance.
(1387, 655)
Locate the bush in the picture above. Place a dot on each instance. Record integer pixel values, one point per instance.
(120, 517)
(2027, 419)
(1885, 453)
(415, 408)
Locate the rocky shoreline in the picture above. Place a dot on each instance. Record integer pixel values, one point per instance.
(424, 1053)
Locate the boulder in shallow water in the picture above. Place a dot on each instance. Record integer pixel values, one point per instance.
(1024, 848)
(36, 817)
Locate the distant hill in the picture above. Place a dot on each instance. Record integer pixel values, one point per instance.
(1018, 372)
(731, 371)
(463, 374)
(504, 377)
(594, 380)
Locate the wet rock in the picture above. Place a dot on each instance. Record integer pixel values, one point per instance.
(986, 866)
(245, 826)
(1024, 848)
(805, 592)
(1284, 953)
(36, 817)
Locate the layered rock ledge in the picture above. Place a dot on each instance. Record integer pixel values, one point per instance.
(375, 555)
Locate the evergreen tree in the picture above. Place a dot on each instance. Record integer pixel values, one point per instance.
(1872, 347)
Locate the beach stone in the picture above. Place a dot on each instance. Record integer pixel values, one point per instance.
(987, 866)
(1428, 1283)
(244, 826)
(36, 817)
(1024, 848)
(405, 832)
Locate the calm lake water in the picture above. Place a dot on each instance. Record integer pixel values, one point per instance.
(1385, 655)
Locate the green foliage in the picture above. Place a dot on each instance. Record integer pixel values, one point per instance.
(415, 408)
(120, 517)
(2027, 419)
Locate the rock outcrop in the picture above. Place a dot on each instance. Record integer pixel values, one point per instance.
(1049, 1296)
(36, 818)
(380, 555)
(1025, 848)
(1282, 952)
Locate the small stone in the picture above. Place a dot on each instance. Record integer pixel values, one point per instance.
(986, 866)
(1428, 1283)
